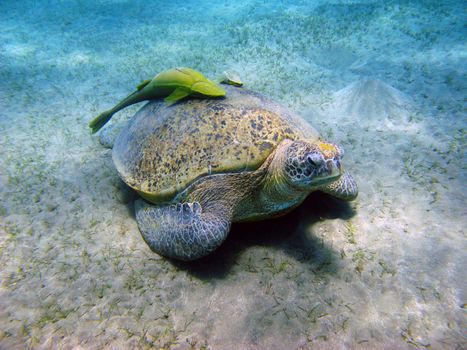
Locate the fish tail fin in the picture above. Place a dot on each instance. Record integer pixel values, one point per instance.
(100, 121)
(104, 117)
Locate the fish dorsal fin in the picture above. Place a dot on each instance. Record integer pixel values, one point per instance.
(143, 84)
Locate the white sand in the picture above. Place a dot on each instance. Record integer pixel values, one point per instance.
(387, 81)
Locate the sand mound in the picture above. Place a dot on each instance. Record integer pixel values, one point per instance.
(378, 103)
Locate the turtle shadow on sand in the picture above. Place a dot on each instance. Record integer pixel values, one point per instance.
(289, 233)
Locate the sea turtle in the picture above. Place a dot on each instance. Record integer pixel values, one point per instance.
(202, 164)
(173, 84)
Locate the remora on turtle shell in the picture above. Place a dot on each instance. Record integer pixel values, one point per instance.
(173, 84)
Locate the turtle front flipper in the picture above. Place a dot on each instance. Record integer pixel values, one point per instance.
(344, 188)
(182, 231)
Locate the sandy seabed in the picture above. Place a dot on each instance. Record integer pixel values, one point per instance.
(385, 79)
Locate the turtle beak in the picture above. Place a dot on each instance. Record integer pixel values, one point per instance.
(334, 167)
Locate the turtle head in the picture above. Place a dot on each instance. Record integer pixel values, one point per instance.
(207, 88)
(310, 165)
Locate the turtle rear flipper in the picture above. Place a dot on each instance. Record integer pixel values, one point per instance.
(181, 231)
(344, 188)
(108, 135)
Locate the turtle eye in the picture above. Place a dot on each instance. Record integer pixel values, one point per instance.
(314, 159)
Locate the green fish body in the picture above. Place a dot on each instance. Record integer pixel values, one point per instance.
(173, 84)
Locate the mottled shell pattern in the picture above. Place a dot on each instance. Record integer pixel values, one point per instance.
(164, 149)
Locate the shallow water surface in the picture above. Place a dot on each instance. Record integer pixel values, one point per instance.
(385, 79)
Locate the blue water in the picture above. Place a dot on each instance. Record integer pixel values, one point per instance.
(385, 79)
